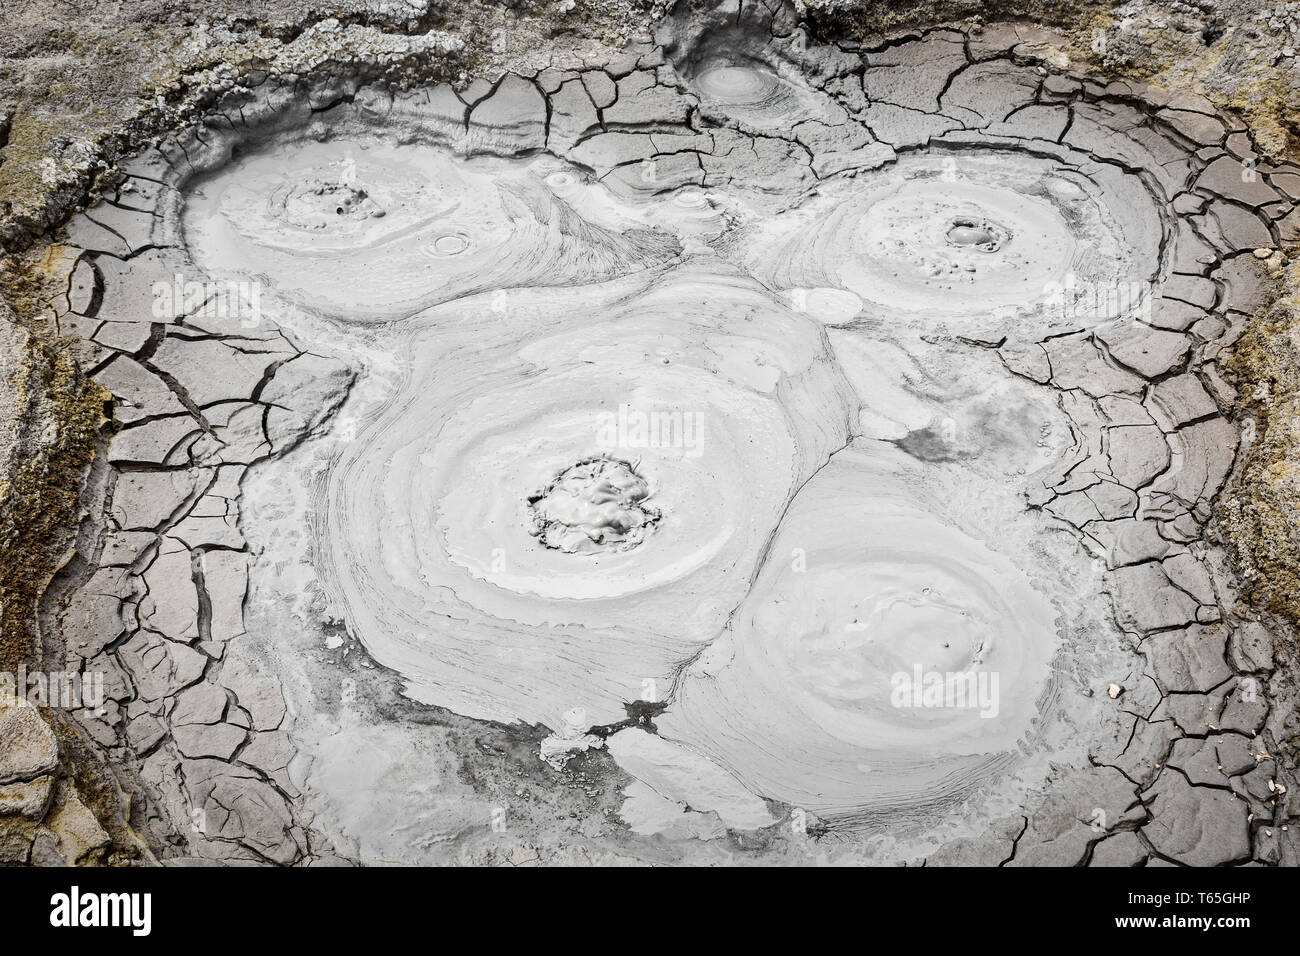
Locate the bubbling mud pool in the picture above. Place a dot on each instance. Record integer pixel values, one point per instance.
(820, 434)
(675, 572)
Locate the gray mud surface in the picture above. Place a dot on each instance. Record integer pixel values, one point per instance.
(637, 463)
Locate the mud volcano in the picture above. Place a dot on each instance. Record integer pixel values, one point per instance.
(748, 435)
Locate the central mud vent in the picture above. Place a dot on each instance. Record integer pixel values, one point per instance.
(979, 233)
(848, 409)
(594, 505)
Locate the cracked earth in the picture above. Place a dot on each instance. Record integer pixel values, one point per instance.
(564, 467)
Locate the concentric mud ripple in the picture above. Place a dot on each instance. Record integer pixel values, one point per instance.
(754, 95)
(366, 230)
(965, 239)
(725, 401)
(883, 661)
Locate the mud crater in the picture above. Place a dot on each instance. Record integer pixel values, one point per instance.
(594, 505)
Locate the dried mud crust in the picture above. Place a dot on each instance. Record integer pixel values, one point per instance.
(1123, 846)
(163, 579)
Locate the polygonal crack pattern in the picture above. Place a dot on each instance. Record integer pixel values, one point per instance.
(711, 136)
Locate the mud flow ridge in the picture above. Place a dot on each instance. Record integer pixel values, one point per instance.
(746, 435)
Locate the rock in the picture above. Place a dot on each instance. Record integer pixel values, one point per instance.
(80, 837)
(28, 748)
(45, 850)
(16, 836)
(28, 799)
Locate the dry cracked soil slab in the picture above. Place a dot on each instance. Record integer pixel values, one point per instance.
(746, 449)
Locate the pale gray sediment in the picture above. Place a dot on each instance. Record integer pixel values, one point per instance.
(839, 258)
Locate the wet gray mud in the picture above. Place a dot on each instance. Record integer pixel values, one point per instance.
(750, 449)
